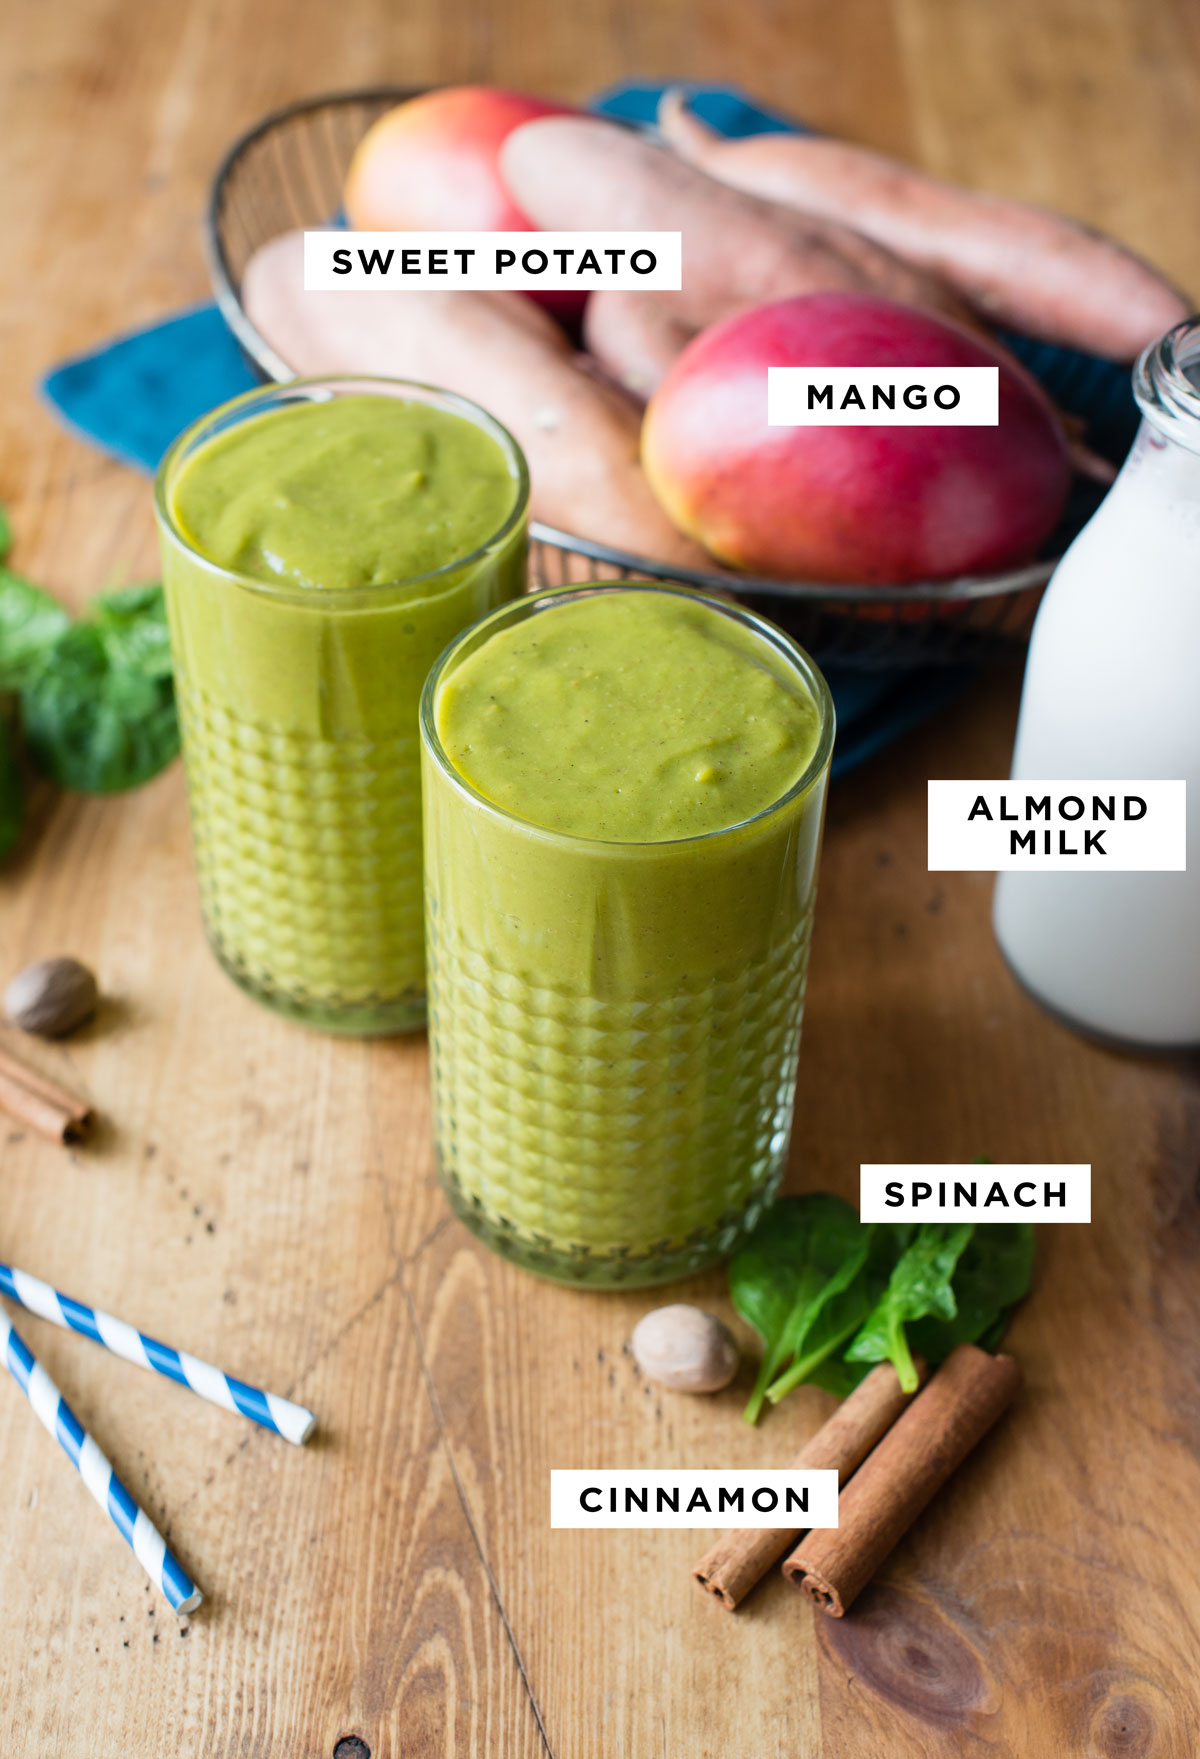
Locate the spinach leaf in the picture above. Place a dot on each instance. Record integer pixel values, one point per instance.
(838, 1377)
(760, 1275)
(850, 1297)
(919, 1285)
(785, 1271)
(837, 1323)
(12, 795)
(30, 623)
(95, 725)
(133, 627)
(993, 1274)
(97, 698)
(5, 536)
(830, 1295)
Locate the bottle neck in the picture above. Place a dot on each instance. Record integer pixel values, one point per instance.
(1166, 383)
(1161, 477)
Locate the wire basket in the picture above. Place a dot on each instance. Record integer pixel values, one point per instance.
(288, 172)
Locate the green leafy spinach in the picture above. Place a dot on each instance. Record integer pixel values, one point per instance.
(30, 623)
(787, 1273)
(96, 698)
(920, 1284)
(857, 1286)
(95, 725)
(133, 627)
(991, 1277)
(830, 1295)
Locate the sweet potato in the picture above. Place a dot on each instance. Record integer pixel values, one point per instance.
(1017, 264)
(738, 251)
(430, 165)
(636, 337)
(580, 435)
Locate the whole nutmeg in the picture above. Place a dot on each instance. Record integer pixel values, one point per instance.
(685, 1348)
(51, 997)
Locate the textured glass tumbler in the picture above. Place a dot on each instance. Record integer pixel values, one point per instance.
(614, 1028)
(299, 715)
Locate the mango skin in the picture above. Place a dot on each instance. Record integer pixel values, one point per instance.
(868, 505)
(432, 165)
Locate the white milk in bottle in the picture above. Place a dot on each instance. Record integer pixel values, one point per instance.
(1112, 691)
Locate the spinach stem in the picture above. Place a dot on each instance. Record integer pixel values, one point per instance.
(803, 1366)
(771, 1363)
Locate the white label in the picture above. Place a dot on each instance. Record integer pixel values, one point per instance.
(1015, 1191)
(694, 1499)
(1057, 827)
(876, 397)
(549, 262)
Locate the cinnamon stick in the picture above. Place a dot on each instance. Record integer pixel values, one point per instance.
(909, 1466)
(742, 1558)
(41, 1103)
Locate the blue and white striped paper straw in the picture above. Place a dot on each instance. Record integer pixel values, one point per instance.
(54, 1414)
(291, 1421)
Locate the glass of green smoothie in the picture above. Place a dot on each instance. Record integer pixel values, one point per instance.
(322, 541)
(624, 788)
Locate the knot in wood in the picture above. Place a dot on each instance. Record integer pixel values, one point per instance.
(910, 1653)
(352, 1747)
(1124, 1729)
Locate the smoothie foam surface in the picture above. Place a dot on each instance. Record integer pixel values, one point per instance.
(630, 717)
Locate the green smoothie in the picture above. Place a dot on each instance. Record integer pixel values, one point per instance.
(635, 718)
(319, 552)
(624, 791)
(356, 491)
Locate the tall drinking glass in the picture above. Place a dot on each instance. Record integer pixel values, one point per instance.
(614, 1025)
(299, 663)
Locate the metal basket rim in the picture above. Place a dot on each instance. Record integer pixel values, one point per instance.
(1033, 574)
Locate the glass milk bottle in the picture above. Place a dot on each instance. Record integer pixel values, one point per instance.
(1112, 690)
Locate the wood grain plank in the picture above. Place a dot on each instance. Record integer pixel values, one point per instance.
(1047, 1589)
(626, 1656)
(1084, 105)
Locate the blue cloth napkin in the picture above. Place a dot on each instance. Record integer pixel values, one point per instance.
(134, 394)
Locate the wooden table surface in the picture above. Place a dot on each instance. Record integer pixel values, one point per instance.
(266, 1197)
